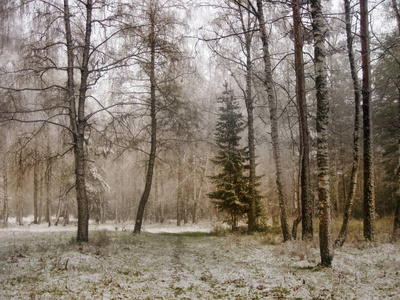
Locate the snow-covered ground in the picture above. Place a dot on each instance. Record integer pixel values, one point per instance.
(167, 262)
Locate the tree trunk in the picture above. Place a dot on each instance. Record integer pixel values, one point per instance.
(59, 211)
(35, 188)
(306, 204)
(396, 223)
(79, 127)
(325, 229)
(179, 194)
(19, 191)
(48, 191)
(40, 201)
(153, 142)
(5, 188)
(248, 96)
(66, 213)
(274, 122)
(356, 135)
(369, 197)
(198, 195)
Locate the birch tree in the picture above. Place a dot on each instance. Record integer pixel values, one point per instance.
(268, 81)
(325, 235)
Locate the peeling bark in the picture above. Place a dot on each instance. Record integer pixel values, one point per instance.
(325, 230)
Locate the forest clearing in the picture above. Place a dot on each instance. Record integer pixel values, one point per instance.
(169, 262)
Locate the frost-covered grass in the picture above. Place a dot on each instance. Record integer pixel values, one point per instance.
(166, 263)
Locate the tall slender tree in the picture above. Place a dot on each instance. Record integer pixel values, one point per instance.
(152, 43)
(161, 64)
(369, 197)
(396, 223)
(325, 235)
(268, 81)
(356, 134)
(306, 201)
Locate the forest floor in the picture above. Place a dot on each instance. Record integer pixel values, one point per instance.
(37, 262)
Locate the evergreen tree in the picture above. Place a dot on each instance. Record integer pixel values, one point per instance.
(231, 195)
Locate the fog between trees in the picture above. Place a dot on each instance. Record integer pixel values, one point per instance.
(109, 110)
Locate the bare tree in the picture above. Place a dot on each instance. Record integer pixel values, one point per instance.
(356, 135)
(268, 81)
(163, 53)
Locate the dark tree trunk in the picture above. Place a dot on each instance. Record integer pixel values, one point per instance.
(248, 95)
(325, 230)
(5, 197)
(274, 122)
(306, 203)
(79, 135)
(20, 176)
(153, 142)
(356, 135)
(369, 197)
(35, 188)
(179, 194)
(40, 201)
(48, 190)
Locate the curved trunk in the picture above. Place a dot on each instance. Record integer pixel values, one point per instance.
(153, 141)
(274, 123)
(356, 136)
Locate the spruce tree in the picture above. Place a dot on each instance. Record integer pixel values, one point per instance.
(231, 195)
(231, 183)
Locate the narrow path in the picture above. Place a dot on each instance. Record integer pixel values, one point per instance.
(176, 260)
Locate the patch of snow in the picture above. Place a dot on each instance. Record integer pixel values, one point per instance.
(44, 262)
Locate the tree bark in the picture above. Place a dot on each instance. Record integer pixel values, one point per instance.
(306, 203)
(396, 223)
(153, 141)
(369, 197)
(325, 229)
(356, 135)
(79, 125)
(48, 191)
(248, 96)
(35, 187)
(19, 191)
(5, 197)
(179, 192)
(274, 122)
